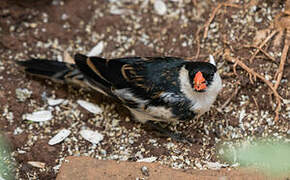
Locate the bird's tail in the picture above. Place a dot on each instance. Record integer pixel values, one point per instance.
(55, 70)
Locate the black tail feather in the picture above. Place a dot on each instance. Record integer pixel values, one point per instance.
(49, 68)
(67, 73)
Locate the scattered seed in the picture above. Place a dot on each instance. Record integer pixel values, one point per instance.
(54, 102)
(149, 159)
(144, 4)
(92, 136)
(64, 16)
(242, 115)
(59, 137)
(160, 7)
(39, 116)
(22, 94)
(215, 165)
(116, 11)
(93, 108)
(36, 164)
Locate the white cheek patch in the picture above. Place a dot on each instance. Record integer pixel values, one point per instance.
(201, 101)
(185, 85)
(216, 85)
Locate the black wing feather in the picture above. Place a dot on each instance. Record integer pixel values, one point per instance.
(132, 72)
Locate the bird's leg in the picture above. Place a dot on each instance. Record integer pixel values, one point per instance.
(179, 137)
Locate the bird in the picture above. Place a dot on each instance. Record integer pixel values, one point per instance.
(154, 89)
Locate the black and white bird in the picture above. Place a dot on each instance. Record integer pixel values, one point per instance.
(163, 89)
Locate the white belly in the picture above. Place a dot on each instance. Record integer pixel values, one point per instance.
(153, 113)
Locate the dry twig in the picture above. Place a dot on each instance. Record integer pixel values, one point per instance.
(255, 74)
(198, 41)
(213, 14)
(211, 17)
(279, 73)
(262, 44)
(262, 50)
(206, 26)
(229, 99)
(256, 103)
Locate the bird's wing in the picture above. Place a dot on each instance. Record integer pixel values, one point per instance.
(139, 77)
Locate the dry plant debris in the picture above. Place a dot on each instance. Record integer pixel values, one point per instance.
(251, 72)
(282, 24)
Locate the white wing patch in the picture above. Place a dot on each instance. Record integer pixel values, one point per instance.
(142, 114)
(171, 97)
(126, 94)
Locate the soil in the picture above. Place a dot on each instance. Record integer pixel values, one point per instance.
(48, 28)
(90, 168)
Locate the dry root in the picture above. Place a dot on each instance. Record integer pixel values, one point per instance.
(251, 72)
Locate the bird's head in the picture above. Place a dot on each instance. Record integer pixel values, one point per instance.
(203, 76)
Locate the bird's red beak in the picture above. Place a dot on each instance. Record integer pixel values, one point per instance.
(199, 81)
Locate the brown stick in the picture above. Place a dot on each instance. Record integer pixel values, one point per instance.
(256, 103)
(198, 42)
(211, 17)
(194, 3)
(232, 96)
(262, 50)
(262, 44)
(279, 74)
(213, 14)
(253, 73)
